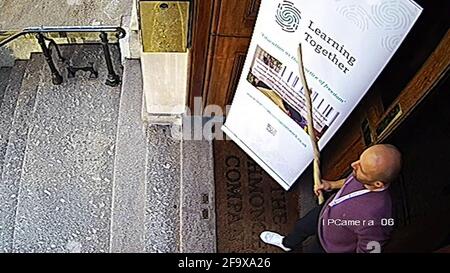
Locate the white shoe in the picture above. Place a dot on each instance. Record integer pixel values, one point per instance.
(273, 238)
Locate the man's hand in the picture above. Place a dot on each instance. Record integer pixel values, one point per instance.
(325, 186)
(328, 186)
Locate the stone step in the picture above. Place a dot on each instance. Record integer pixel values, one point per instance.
(127, 230)
(8, 106)
(15, 152)
(172, 165)
(87, 175)
(65, 194)
(198, 216)
(163, 178)
(4, 76)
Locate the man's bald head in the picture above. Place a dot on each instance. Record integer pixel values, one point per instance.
(381, 162)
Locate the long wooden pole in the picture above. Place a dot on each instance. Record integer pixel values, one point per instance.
(311, 132)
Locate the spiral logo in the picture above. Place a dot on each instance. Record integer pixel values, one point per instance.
(392, 15)
(389, 43)
(288, 16)
(356, 15)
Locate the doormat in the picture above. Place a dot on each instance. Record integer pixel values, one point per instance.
(248, 201)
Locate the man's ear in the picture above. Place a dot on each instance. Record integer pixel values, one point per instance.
(378, 184)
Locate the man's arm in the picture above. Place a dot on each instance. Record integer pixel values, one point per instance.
(328, 185)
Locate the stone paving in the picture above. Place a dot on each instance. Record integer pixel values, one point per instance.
(16, 15)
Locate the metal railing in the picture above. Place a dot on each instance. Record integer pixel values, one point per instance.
(40, 33)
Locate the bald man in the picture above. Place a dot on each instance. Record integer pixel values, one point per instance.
(358, 218)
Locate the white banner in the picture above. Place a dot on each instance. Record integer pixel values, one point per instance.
(346, 44)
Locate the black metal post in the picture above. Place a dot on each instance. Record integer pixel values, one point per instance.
(57, 79)
(113, 79)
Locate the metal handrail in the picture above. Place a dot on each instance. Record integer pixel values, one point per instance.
(112, 80)
(120, 32)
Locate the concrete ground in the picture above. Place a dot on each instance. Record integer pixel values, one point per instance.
(15, 15)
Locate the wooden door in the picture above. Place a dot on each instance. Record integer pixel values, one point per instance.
(229, 57)
(221, 37)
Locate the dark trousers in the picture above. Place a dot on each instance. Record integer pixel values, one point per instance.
(304, 228)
